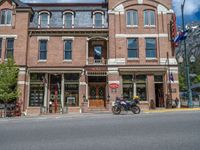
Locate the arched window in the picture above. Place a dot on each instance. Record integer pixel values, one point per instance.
(5, 17)
(68, 19)
(44, 19)
(132, 18)
(149, 18)
(98, 19)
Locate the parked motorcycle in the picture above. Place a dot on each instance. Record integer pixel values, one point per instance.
(121, 104)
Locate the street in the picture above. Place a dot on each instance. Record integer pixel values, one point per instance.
(153, 131)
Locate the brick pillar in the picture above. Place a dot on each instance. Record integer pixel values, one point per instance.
(151, 90)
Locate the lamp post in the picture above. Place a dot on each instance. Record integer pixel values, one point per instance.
(190, 103)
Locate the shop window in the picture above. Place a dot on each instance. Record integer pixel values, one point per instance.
(36, 98)
(133, 48)
(68, 49)
(10, 48)
(71, 89)
(131, 18)
(150, 47)
(5, 17)
(0, 46)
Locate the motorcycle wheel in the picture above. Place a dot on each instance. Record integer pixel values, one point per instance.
(116, 110)
(135, 109)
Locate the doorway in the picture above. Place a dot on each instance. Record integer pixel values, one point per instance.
(97, 91)
(55, 93)
(159, 95)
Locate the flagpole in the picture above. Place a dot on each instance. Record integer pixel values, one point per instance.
(187, 68)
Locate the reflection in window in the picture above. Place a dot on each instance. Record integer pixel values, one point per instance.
(5, 17)
(97, 52)
(150, 47)
(133, 48)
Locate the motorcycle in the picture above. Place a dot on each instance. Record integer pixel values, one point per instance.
(123, 104)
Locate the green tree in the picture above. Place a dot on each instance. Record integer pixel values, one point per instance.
(8, 82)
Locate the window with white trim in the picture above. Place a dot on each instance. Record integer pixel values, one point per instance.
(149, 18)
(43, 50)
(5, 17)
(68, 50)
(132, 18)
(10, 48)
(68, 19)
(98, 19)
(150, 47)
(44, 19)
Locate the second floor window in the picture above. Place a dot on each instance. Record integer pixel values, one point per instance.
(9, 48)
(149, 18)
(68, 49)
(98, 20)
(43, 50)
(5, 17)
(68, 20)
(133, 48)
(0, 46)
(131, 18)
(150, 48)
(44, 20)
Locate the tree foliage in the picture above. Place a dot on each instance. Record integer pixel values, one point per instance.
(8, 81)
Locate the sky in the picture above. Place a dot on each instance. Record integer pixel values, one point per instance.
(191, 9)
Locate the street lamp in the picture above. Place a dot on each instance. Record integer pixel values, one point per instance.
(190, 103)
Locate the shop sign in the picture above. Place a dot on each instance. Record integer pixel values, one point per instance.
(114, 85)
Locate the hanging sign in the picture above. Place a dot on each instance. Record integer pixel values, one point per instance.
(114, 85)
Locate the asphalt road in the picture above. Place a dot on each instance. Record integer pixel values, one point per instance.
(164, 131)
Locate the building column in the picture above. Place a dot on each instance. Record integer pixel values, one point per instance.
(62, 90)
(46, 90)
(151, 90)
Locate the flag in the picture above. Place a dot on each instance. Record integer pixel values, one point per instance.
(171, 77)
(181, 36)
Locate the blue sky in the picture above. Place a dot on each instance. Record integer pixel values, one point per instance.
(191, 11)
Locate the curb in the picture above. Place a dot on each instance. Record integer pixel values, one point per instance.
(172, 110)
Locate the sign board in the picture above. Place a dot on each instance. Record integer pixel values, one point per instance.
(114, 85)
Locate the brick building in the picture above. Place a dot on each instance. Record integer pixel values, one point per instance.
(83, 55)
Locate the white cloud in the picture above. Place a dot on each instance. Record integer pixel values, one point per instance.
(191, 6)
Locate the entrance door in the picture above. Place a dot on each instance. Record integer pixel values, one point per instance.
(55, 93)
(159, 93)
(97, 95)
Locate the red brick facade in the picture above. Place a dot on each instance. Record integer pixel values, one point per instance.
(95, 76)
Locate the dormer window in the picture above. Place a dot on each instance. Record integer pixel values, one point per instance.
(5, 17)
(149, 18)
(98, 19)
(44, 19)
(68, 19)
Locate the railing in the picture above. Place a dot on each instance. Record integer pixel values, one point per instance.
(93, 61)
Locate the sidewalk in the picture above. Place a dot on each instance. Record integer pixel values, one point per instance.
(164, 110)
